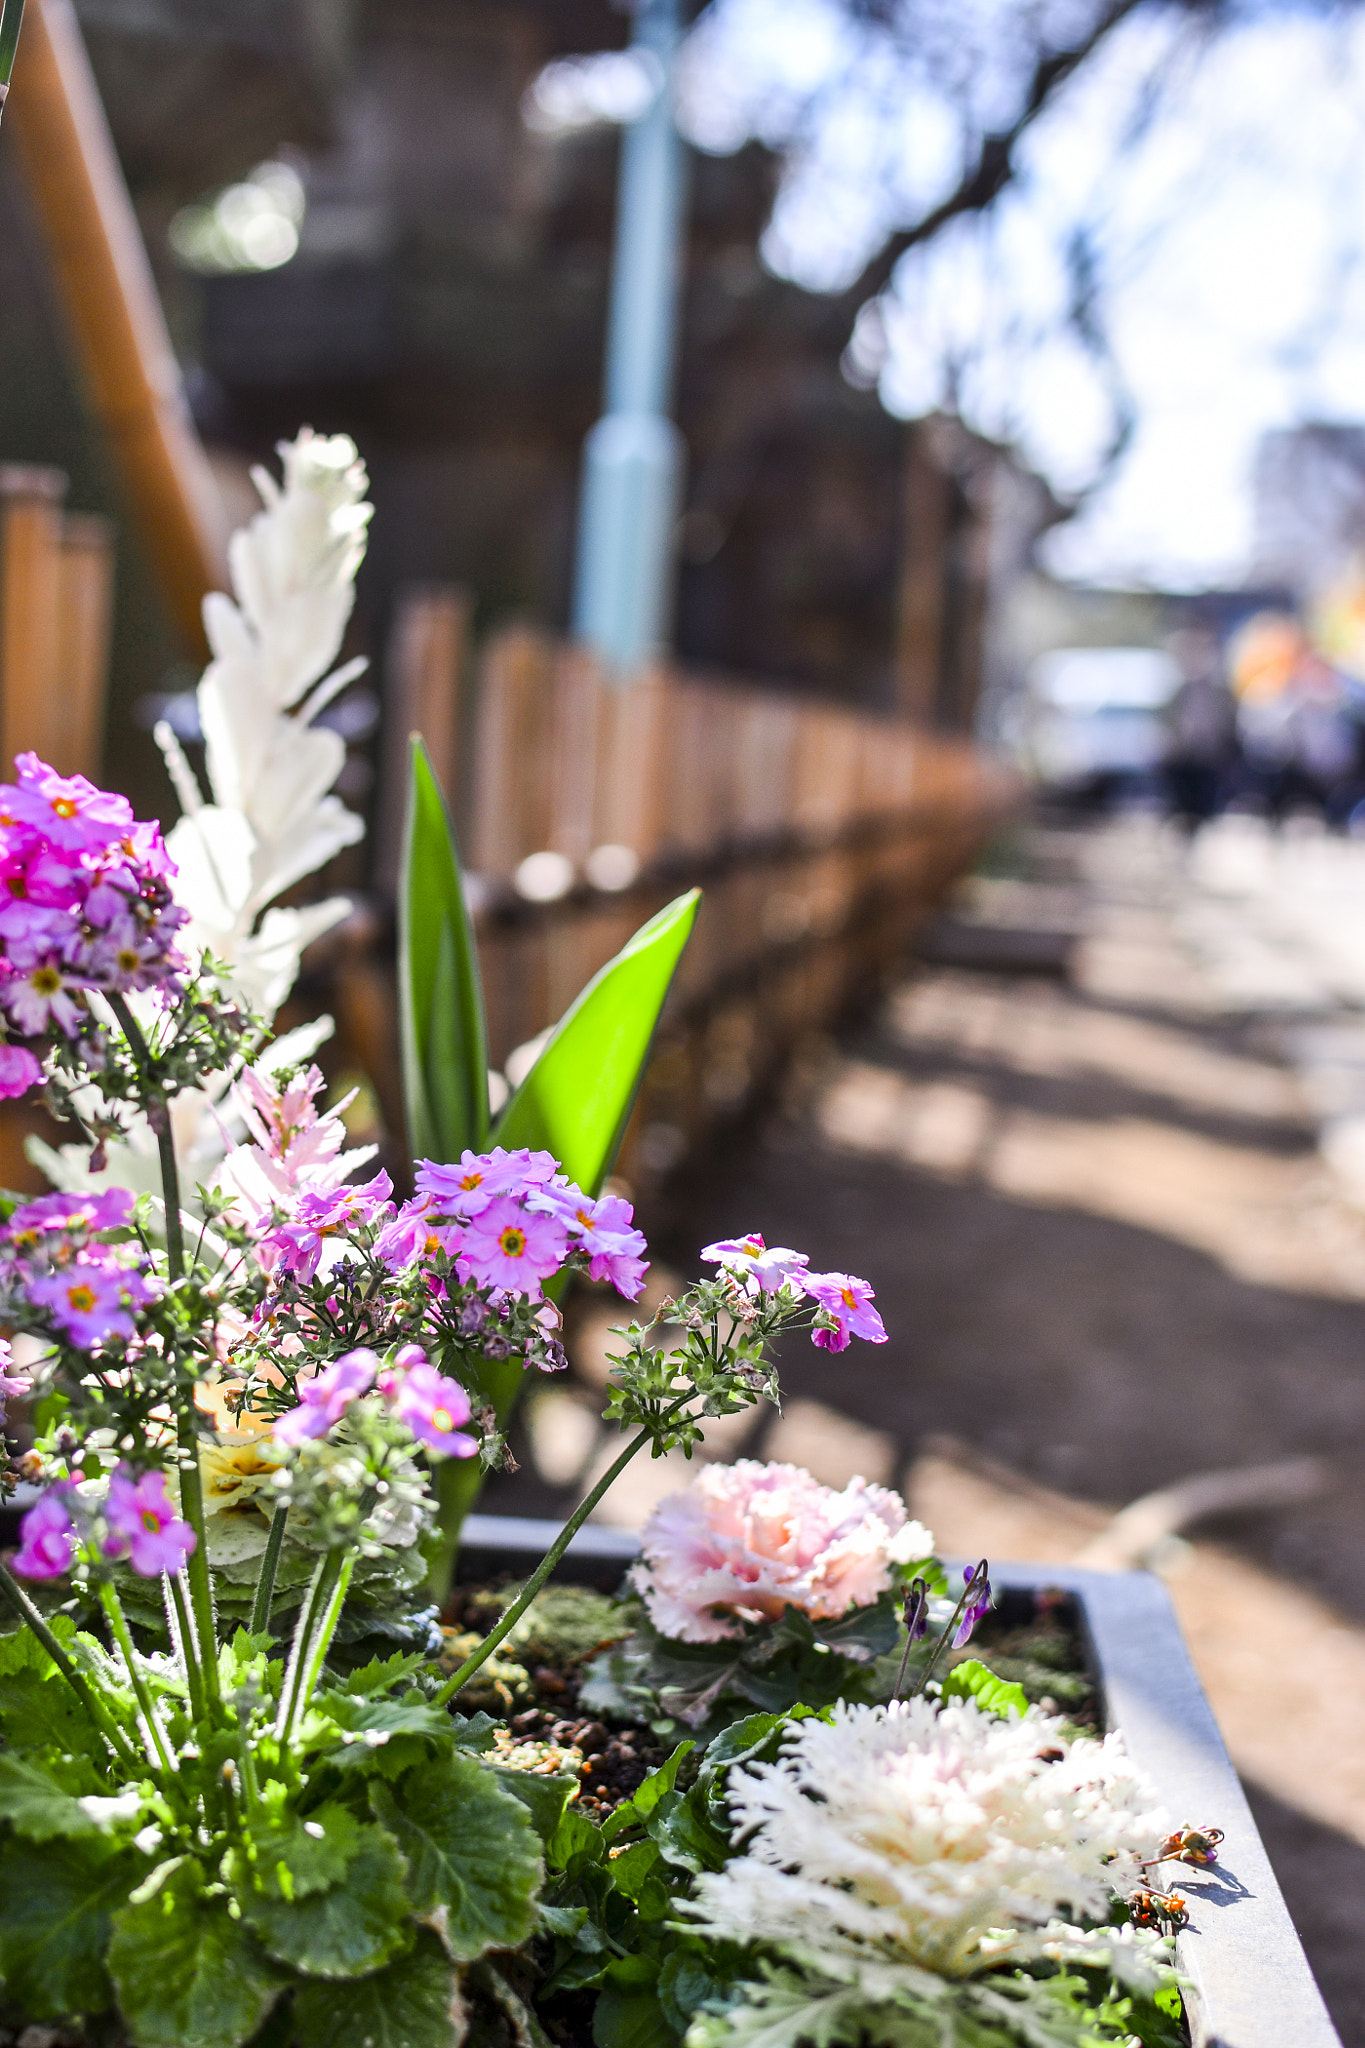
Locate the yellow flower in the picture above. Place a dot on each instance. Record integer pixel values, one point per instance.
(238, 1473)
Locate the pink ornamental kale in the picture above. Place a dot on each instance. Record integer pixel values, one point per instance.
(144, 1526)
(746, 1540)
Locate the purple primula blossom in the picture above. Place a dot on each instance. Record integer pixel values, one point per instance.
(508, 1246)
(144, 1526)
(11, 1382)
(762, 1268)
(85, 900)
(31, 1222)
(431, 1406)
(849, 1301)
(69, 811)
(616, 1249)
(41, 997)
(47, 1536)
(91, 1301)
(19, 1071)
(324, 1400)
(463, 1190)
(415, 1233)
(296, 1246)
(978, 1588)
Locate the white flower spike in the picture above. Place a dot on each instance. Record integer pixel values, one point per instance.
(271, 818)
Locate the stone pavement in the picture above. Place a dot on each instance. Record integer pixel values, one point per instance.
(1111, 1218)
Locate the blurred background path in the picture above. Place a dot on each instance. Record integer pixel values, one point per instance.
(1093, 1150)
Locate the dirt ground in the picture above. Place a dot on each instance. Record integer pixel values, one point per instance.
(1111, 1255)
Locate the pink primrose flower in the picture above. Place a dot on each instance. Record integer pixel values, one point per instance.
(849, 1301)
(19, 1071)
(296, 1247)
(90, 1302)
(325, 1399)
(616, 1250)
(431, 1407)
(47, 1536)
(508, 1246)
(465, 1189)
(67, 810)
(144, 1526)
(110, 1209)
(762, 1268)
(743, 1541)
(414, 1233)
(41, 996)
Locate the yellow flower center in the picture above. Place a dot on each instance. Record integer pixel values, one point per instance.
(46, 980)
(443, 1418)
(512, 1242)
(64, 806)
(849, 1296)
(150, 1520)
(82, 1298)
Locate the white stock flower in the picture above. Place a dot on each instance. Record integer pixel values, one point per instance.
(932, 1839)
(272, 818)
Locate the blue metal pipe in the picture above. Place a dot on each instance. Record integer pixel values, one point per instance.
(633, 457)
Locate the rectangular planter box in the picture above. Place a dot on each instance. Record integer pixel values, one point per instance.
(1249, 1981)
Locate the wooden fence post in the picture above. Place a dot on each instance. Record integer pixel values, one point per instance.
(423, 686)
(56, 582)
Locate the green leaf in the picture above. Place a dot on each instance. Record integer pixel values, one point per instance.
(471, 1849)
(544, 1795)
(642, 1802)
(187, 1974)
(577, 1098)
(54, 1926)
(971, 1680)
(414, 2003)
(36, 1804)
(441, 1016)
(630, 2019)
(343, 1932)
(306, 1855)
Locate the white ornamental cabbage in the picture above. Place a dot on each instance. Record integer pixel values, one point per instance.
(895, 1855)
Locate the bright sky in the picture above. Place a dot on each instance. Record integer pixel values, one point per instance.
(1229, 233)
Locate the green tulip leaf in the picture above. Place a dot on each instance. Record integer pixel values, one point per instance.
(440, 999)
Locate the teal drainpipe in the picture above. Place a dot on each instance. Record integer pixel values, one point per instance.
(633, 457)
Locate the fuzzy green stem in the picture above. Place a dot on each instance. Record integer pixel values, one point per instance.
(197, 1565)
(551, 1558)
(298, 1653)
(84, 1690)
(113, 1608)
(335, 1596)
(191, 1484)
(265, 1584)
(189, 1643)
(11, 18)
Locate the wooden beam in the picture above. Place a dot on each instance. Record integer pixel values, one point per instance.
(59, 130)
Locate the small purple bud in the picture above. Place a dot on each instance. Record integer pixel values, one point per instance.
(977, 1587)
(916, 1610)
